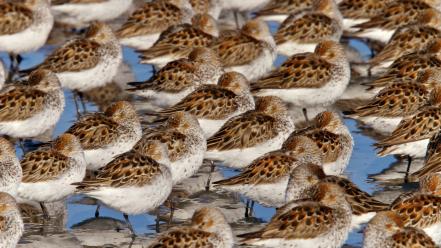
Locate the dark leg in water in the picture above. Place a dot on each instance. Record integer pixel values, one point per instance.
(44, 210)
(409, 162)
(157, 221)
(207, 186)
(97, 211)
(129, 225)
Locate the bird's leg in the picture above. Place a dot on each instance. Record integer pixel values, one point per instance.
(172, 211)
(75, 99)
(129, 225)
(83, 103)
(97, 210)
(44, 211)
(207, 186)
(157, 220)
(409, 162)
(247, 209)
(236, 18)
(305, 114)
(22, 146)
(251, 208)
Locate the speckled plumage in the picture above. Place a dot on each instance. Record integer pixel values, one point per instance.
(105, 135)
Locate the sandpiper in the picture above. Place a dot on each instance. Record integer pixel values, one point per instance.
(278, 10)
(309, 79)
(301, 32)
(178, 41)
(213, 105)
(250, 52)
(130, 178)
(81, 13)
(10, 167)
(387, 230)
(247, 136)
(185, 142)
(106, 135)
(25, 27)
(11, 227)
(179, 78)
(209, 228)
(302, 224)
(27, 111)
(144, 25)
(49, 172)
(86, 63)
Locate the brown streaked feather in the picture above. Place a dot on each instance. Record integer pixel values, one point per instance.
(94, 131)
(418, 127)
(181, 41)
(432, 163)
(60, 2)
(238, 50)
(408, 67)
(360, 9)
(305, 70)
(266, 169)
(418, 210)
(405, 41)
(174, 77)
(175, 141)
(313, 27)
(243, 131)
(21, 103)
(396, 15)
(43, 165)
(329, 144)
(301, 222)
(75, 56)
(397, 100)
(209, 101)
(153, 17)
(412, 237)
(360, 201)
(284, 7)
(14, 18)
(128, 169)
(184, 237)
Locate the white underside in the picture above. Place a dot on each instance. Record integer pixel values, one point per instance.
(28, 40)
(240, 158)
(349, 22)
(210, 127)
(415, 149)
(378, 34)
(382, 125)
(136, 200)
(306, 97)
(101, 74)
(270, 195)
(434, 231)
(163, 99)
(258, 67)
(141, 42)
(324, 241)
(54, 190)
(188, 165)
(274, 18)
(161, 61)
(81, 14)
(290, 48)
(358, 220)
(244, 5)
(34, 126)
(98, 158)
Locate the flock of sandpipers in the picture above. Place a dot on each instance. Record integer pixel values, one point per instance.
(221, 99)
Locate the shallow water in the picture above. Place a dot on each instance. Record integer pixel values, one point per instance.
(74, 225)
